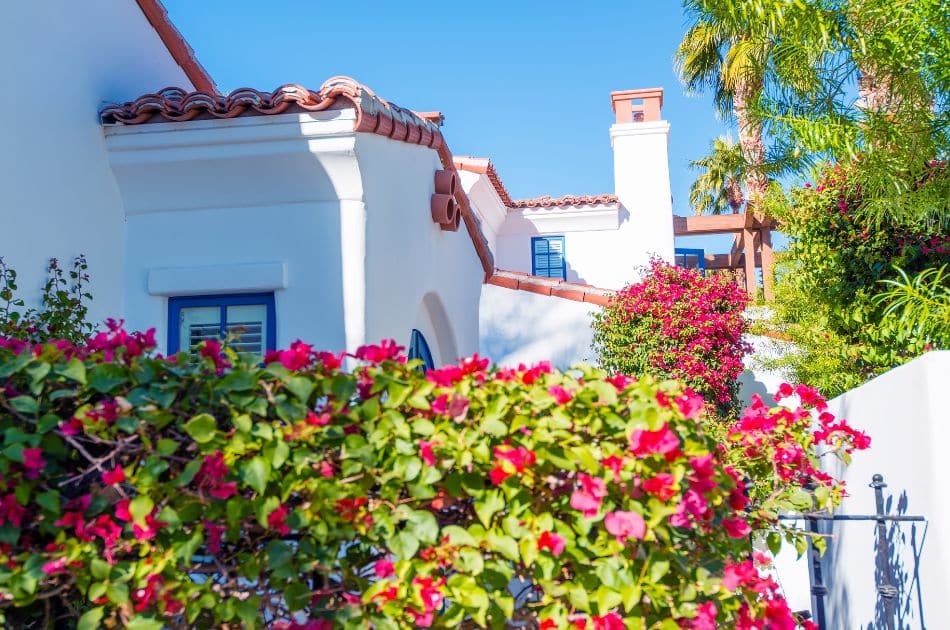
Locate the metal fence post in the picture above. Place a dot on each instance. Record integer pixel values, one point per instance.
(885, 589)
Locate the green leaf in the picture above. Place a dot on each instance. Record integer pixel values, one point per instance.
(404, 545)
(201, 428)
(99, 568)
(297, 596)
(117, 593)
(49, 500)
(25, 404)
(424, 526)
(489, 506)
(144, 623)
(301, 387)
(166, 446)
(470, 561)
(606, 599)
(90, 619)
(277, 453)
(256, 474)
(140, 507)
(75, 370)
(505, 545)
(105, 376)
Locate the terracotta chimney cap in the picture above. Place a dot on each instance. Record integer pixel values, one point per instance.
(622, 102)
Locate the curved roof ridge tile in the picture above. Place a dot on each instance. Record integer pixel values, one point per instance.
(567, 200)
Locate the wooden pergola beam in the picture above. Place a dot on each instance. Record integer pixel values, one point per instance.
(717, 224)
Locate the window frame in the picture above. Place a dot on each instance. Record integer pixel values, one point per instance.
(691, 251)
(222, 301)
(548, 239)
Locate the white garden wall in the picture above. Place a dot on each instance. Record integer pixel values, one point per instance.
(62, 61)
(905, 412)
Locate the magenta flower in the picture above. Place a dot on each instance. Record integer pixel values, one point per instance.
(552, 542)
(625, 525)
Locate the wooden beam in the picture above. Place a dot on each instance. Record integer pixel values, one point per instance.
(768, 262)
(716, 224)
(748, 242)
(725, 261)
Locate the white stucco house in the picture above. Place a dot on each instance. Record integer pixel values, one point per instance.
(293, 213)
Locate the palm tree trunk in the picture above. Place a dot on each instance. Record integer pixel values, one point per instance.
(750, 141)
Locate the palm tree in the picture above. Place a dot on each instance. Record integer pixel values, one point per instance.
(718, 188)
(718, 54)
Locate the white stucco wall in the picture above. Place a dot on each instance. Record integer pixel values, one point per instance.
(343, 217)
(417, 275)
(905, 413)
(62, 61)
(606, 245)
(521, 327)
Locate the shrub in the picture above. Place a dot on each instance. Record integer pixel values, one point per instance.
(63, 305)
(840, 261)
(677, 324)
(208, 490)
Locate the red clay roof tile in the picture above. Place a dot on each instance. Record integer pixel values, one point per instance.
(179, 49)
(550, 286)
(567, 200)
(373, 115)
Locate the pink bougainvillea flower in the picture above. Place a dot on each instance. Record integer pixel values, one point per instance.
(739, 574)
(276, 520)
(547, 624)
(625, 525)
(387, 350)
(111, 477)
(690, 404)
(388, 594)
(588, 498)
(663, 441)
(784, 391)
(327, 469)
(610, 621)
(705, 618)
(425, 451)
(615, 464)
(211, 476)
(498, 475)
(520, 458)
(561, 395)
(736, 527)
(211, 349)
(552, 542)
(33, 462)
(295, 358)
(55, 566)
(621, 381)
(315, 420)
(73, 426)
(149, 530)
(532, 374)
(662, 486)
(215, 536)
(384, 568)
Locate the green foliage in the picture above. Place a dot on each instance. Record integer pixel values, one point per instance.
(718, 187)
(63, 305)
(207, 490)
(831, 279)
(921, 304)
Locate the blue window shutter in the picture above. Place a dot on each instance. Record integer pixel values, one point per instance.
(548, 257)
(690, 258)
(419, 349)
(252, 332)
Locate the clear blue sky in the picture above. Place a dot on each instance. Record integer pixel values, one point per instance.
(526, 84)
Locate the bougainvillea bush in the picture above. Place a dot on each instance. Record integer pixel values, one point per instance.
(209, 490)
(676, 323)
(839, 264)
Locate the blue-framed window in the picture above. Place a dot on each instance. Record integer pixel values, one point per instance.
(248, 320)
(547, 257)
(690, 258)
(419, 349)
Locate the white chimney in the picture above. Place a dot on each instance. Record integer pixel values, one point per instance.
(640, 139)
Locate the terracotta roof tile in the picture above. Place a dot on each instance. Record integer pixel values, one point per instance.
(483, 166)
(567, 200)
(373, 115)
(180, 51)
(555, 287)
